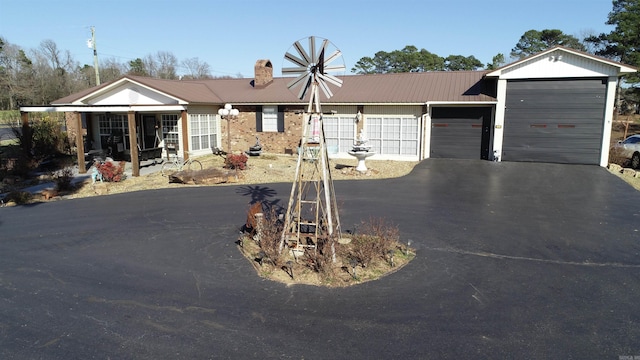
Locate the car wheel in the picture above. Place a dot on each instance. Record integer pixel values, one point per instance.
(635, 160)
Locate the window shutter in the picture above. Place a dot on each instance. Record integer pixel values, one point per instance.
(258, 118)
(280, 118)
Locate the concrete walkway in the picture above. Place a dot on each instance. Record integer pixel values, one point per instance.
(146, 168)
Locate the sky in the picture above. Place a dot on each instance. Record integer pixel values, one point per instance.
(231, 35)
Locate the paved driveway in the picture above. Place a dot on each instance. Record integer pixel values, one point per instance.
(514, 261)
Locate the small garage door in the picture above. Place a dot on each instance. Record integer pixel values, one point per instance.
(559, 121)
(460, 133)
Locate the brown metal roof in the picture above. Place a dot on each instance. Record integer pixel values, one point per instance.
(401, 88)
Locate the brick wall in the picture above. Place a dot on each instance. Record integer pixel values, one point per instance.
(243, 132)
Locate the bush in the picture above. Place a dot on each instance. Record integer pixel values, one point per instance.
(19, 197)
(236, 161)
(616, 157)
(45, 137)
(374, 238)
(267, 234)
(111, 172)
(63, 179)
(21, 165)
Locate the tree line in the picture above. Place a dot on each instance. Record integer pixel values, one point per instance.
(47, 73)
(42, 75)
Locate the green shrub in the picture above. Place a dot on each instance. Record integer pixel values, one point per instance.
(45, 137)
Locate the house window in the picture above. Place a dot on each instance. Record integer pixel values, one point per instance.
(269, 119)
(113, 125)
(204, 131)
(339, 132)
(170, 130)
(393, 135)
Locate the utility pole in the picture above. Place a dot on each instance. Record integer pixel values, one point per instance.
(95, 54)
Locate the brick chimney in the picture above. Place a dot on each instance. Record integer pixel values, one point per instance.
(263, 73)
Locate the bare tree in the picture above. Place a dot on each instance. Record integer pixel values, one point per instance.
(111, 70)
(196, 69)
(53, 68)
(167, 63)
(16, 76)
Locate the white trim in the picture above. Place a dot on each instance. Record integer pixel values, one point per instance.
(498, 126)
(116, 84)
(425, 151)
(463, 103)
(607, 121)
(622, 69)
(65, 108)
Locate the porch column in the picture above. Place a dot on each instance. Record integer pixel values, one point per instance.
(133, 143)
(79, 143)
(26, 133)
(185, 135)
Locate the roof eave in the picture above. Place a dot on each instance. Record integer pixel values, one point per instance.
(622, 68)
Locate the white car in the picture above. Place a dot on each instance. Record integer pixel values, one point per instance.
(630, 148)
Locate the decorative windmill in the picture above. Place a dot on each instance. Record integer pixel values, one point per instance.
(312, 215)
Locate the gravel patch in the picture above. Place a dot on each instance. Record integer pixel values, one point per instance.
(260, 170)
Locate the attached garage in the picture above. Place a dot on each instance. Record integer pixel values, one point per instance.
(554, 120)
(556, 106)
(460, 132)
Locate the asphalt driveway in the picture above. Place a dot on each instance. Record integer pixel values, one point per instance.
(514, 261)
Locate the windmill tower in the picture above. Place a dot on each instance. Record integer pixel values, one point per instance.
(312, 217)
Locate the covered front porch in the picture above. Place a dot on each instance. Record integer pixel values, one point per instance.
(125, 133)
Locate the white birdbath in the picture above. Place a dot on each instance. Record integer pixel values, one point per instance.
(361, 151)
(361, 156)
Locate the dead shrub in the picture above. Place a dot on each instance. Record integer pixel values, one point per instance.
(267, 234)
(63, 179)
(19, 197)
(375, 238)
(320, 260)
(616, 157)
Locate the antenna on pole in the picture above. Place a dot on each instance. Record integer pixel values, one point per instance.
(92, 44)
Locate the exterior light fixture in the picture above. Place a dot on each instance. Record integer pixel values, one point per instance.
(228, 113)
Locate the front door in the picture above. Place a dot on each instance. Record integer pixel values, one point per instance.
(148, 136)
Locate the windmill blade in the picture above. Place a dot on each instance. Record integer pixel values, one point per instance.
(325, 88)
(294, 70)
(321, 52)
(302, 53)
(330, 79)
(336, 54)
(296, 60)
(321, 62)
(295, 82)
(334, 68)
(305, 87)
(309, 64)
(312, 49)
